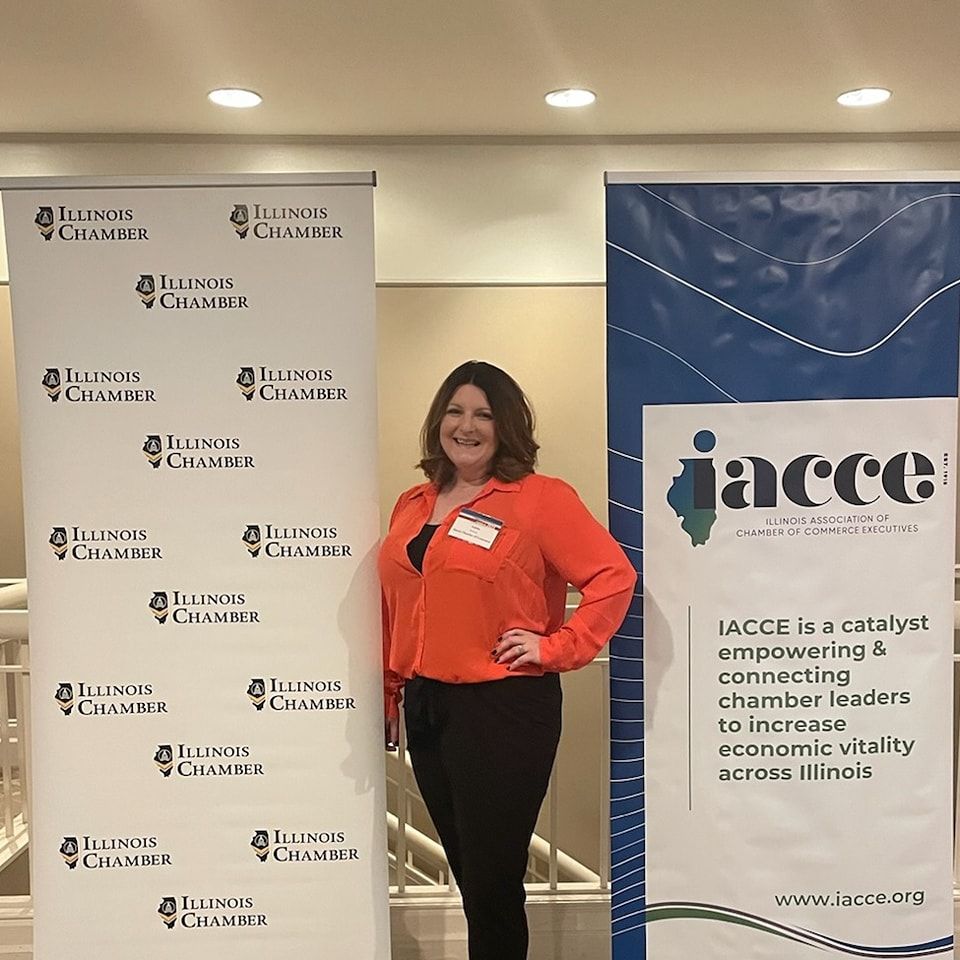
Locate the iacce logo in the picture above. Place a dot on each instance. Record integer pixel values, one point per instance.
(809, 480)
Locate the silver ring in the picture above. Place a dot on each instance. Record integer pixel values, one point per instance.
(520, 654)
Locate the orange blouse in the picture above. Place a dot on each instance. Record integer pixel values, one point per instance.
(445, 622)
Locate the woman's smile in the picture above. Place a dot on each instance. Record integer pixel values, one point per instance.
(468, 433)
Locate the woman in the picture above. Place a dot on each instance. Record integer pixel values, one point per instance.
(474, 570)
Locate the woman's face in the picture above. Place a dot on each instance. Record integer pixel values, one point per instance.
(468, 434)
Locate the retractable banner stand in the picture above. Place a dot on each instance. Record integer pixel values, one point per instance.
(782, 372)
(196, 372)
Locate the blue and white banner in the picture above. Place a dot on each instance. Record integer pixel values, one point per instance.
(782, 382)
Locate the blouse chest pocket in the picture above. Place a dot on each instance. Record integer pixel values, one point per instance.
(483, 563)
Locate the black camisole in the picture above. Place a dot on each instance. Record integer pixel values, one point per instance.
(417, 547)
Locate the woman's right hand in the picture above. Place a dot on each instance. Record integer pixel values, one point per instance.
(391, 732)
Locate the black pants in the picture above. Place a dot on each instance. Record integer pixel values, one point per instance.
(482, 755)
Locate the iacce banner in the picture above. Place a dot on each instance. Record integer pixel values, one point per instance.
(782, 383)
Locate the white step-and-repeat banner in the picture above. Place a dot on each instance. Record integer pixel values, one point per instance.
(782, 362)
(196, 373)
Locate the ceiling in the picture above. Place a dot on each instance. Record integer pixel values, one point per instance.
(381, 68)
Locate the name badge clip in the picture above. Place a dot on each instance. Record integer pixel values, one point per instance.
(476, 528)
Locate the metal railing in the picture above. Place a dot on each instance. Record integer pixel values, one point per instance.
(14, 721)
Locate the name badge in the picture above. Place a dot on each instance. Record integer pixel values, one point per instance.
(476, 528)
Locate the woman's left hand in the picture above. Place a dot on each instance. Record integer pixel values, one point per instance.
(518, 647)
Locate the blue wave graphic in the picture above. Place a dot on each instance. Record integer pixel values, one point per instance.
(691, 910)
(897, 327)
(801, 263)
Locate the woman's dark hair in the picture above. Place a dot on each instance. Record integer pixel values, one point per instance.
(516, 454)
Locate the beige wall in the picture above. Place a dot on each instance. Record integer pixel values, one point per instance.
(550, 339)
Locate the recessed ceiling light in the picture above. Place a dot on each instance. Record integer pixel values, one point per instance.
(572, 97)
(864, 97)
(234, 97)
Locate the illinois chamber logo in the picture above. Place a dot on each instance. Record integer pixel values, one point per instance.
(59, 542)
(257, 692)
(153, 449)
(147, 290)
(266, 222)
(195, 913)
(808, 481)
(96, 386)
(252, 539)
(120, 544)
(240, 218)
(268, 383)
(279, 542)
(110, 853)
(261, 844)
(189, 608)
(109, 224)
(51, 383)
(206, 760)
(65, 699)
(166, 291)
(160, 606)
(300, 846)
(247, 382)
(275, 693)
(46, 222)
(70, 851)
(168, 911)
(108, 699)
(196, 453)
